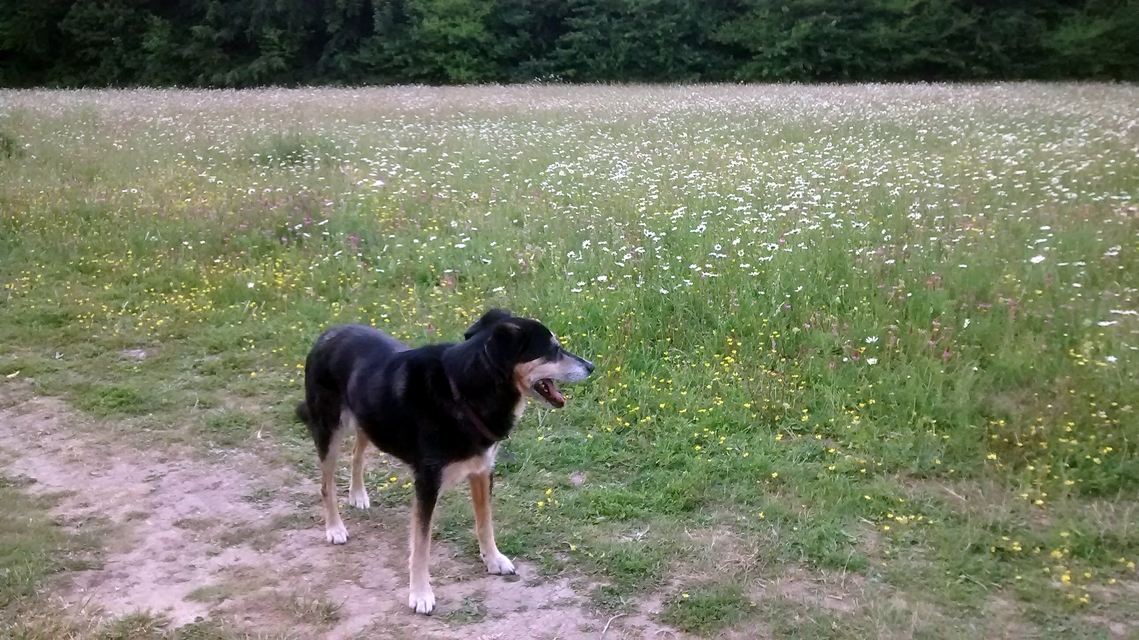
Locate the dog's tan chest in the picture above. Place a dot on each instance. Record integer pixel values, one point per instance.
(456, 472)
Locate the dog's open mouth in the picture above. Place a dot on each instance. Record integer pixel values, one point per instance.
(549, 392)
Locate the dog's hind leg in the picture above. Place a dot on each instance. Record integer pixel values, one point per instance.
(334, 530)
(484, 526)
(357, 493)
(427, 485)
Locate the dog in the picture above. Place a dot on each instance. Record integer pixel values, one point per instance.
(442, 409)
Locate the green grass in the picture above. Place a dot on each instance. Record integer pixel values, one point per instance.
(886, 331)
(228, 427)
(114, 399)
(707, 608)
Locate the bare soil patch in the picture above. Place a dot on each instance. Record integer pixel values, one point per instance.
(235, 538)
(838, 593)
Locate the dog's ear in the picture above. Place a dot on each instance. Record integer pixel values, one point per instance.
(488, 319)
(506, 342)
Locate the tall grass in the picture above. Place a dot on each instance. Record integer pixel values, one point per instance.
(888, 330)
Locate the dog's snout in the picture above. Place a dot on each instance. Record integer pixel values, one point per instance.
(576, 367)
(585, 364)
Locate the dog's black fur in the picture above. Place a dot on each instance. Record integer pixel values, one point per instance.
(434, 407)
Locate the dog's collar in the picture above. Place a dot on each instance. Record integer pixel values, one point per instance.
(480, 426)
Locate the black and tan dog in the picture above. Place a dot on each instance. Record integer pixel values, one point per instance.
(442, 409)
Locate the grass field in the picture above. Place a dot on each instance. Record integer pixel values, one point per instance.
(879, 337)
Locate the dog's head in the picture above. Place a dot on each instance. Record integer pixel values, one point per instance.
(529, 353)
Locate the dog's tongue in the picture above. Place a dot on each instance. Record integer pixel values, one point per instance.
(550, 392)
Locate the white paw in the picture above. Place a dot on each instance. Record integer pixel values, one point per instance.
(499, 564)
(423, 600)
(359, 499)
(337, 534)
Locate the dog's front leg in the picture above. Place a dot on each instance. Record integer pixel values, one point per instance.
(484, 526)
(427, 485)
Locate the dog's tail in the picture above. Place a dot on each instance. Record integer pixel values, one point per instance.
(303, 414)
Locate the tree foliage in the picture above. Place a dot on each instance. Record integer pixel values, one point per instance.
(237, 43)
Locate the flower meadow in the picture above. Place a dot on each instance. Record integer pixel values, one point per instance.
(886, 335)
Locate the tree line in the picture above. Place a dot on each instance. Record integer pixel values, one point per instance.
(241, 43)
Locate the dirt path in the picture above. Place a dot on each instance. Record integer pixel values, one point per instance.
(232, 539)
